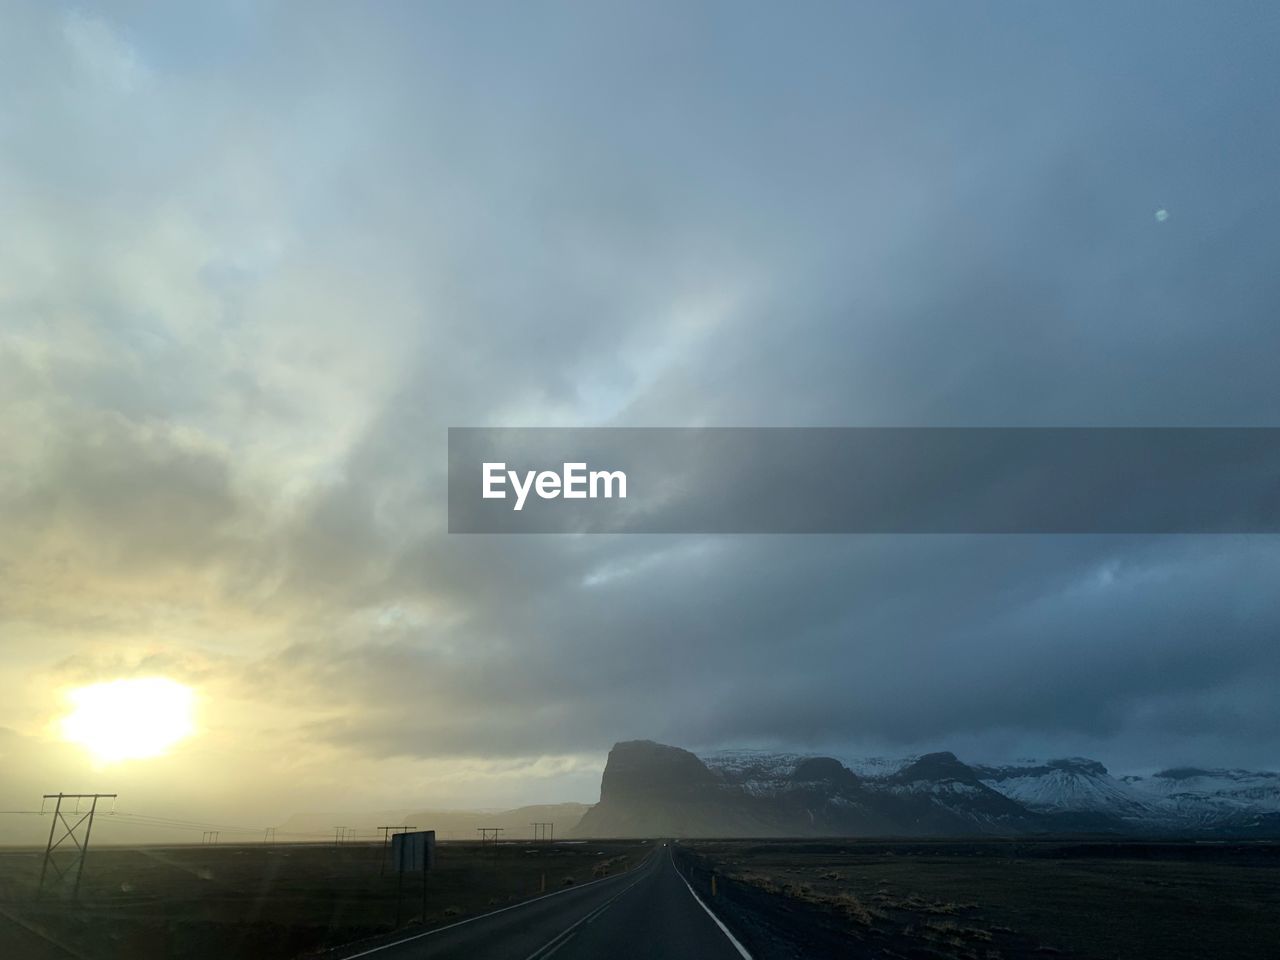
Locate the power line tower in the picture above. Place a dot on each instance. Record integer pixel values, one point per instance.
(489, 835)
(339, 835)
(543, 831)
(210, 837)
(269, 837)
(71, 832)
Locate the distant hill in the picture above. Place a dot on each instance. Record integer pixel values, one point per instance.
(32, 829)
(515, 824)
(651, 789)
(448, 824)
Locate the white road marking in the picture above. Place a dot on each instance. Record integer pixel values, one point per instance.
(558, 941)
(494, 913)
(547, 955)
(723, 929)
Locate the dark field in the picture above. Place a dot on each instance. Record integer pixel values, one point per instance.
(264, 902)
(985, 900)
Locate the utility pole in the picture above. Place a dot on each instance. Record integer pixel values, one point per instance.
(489, 835)
(339, 834)
(269, 837)
(79, 842)
(210, 837)
(543, 831)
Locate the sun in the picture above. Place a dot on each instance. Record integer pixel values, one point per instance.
(129, 719)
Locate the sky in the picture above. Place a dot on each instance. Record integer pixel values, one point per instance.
(256, 258)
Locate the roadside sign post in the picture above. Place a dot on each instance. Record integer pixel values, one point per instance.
(386, 842)
(410, 853)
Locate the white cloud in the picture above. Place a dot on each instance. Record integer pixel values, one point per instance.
(105, 56)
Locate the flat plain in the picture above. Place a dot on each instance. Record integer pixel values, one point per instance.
(813, 899)
(267, 903)
(987, 900)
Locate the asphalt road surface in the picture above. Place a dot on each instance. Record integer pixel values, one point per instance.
(649, 913)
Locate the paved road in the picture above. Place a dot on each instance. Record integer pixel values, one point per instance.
(647, 914)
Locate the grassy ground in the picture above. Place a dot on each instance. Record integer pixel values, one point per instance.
(269, 902)
(983, 900)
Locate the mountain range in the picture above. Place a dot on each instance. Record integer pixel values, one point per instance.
(651, 789)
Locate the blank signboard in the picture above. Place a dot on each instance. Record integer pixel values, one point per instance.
(411, 852)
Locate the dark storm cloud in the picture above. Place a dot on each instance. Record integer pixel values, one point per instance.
(803, 642)
(984, 250)
(913, 215)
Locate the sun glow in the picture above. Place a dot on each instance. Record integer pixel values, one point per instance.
(129, 719)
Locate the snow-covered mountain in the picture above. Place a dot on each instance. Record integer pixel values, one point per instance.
(756, 772)
(1184, 799)
(1247, 787)
(1212, 798)
(1071, 785)
(767, 768)
(651, 789)
(1071, 793)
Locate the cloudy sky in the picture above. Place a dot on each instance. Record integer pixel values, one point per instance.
(255, 259)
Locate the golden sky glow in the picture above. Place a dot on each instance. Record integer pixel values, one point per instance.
(132, 719)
